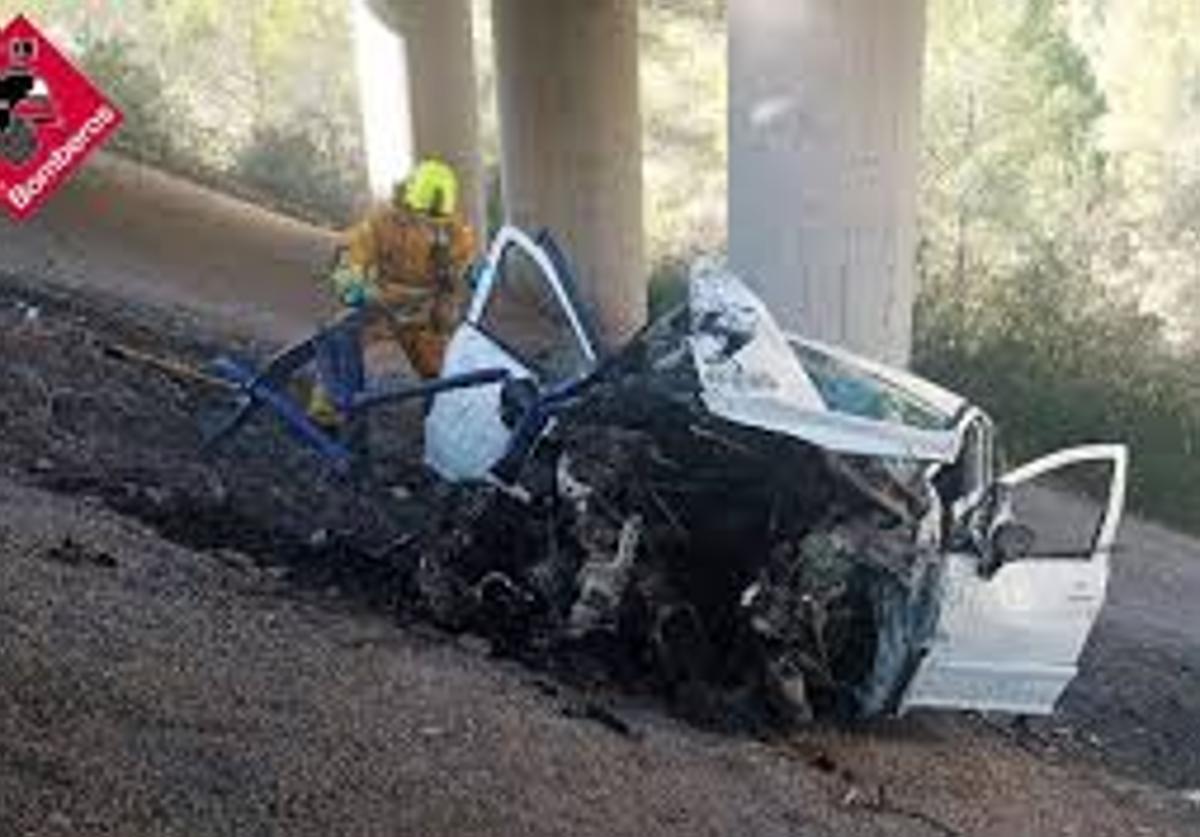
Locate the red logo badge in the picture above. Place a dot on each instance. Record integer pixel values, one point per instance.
(51, 119)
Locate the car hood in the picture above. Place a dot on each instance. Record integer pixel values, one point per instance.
(751, 373)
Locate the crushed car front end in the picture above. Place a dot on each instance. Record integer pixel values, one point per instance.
(755, 521)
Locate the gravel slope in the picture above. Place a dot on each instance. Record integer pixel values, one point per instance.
(148, 690)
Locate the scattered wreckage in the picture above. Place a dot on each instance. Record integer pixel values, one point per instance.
(727, 508)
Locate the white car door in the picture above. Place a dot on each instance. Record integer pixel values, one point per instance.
(1010, 641)
(521, 319)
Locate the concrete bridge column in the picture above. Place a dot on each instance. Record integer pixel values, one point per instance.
(571, 141)
(824, 132)
(441, 94)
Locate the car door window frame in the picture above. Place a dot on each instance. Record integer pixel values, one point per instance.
(1106, 528)
(492, 279)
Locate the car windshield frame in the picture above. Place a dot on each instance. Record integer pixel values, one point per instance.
(852, 390)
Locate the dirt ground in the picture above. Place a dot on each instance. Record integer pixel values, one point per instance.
(216, 644)
(127, 229)
(153, 690)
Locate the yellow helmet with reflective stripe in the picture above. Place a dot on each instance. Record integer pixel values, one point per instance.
(432, 188)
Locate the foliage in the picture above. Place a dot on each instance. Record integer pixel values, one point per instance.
(1059, 360)
(138, 90)
(292, 164)
(1011, 159)
(684, 96)
(707, 11)
(668, 285)
(256, 94)
(1034, 231)
(1147, 57)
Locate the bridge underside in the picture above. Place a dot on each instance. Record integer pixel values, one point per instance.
(823, 130)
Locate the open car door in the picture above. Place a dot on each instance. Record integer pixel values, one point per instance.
(1009, 640)
(523, 319)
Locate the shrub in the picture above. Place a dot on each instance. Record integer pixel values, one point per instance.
(137, 89)
(1058, 359)
(293, 166)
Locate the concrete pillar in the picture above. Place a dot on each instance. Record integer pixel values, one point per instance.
(442, 96)
(382, 68)
(571, 141)
(824, 131)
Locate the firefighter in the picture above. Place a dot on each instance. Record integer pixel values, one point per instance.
(405, 262)
(408, 258)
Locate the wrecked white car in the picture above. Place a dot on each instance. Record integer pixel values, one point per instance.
(740, 512)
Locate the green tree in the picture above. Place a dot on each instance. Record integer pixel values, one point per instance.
(1048, 185)
(1011, 159)
(1147, 59)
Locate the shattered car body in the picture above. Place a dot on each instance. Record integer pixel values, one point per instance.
(729, 506)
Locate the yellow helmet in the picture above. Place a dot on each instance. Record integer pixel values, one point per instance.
(432, 188)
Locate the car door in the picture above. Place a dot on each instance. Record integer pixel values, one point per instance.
(1010, 640)
(522, 319)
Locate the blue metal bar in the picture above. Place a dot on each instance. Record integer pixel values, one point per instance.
(261, 392)
(482, 377)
